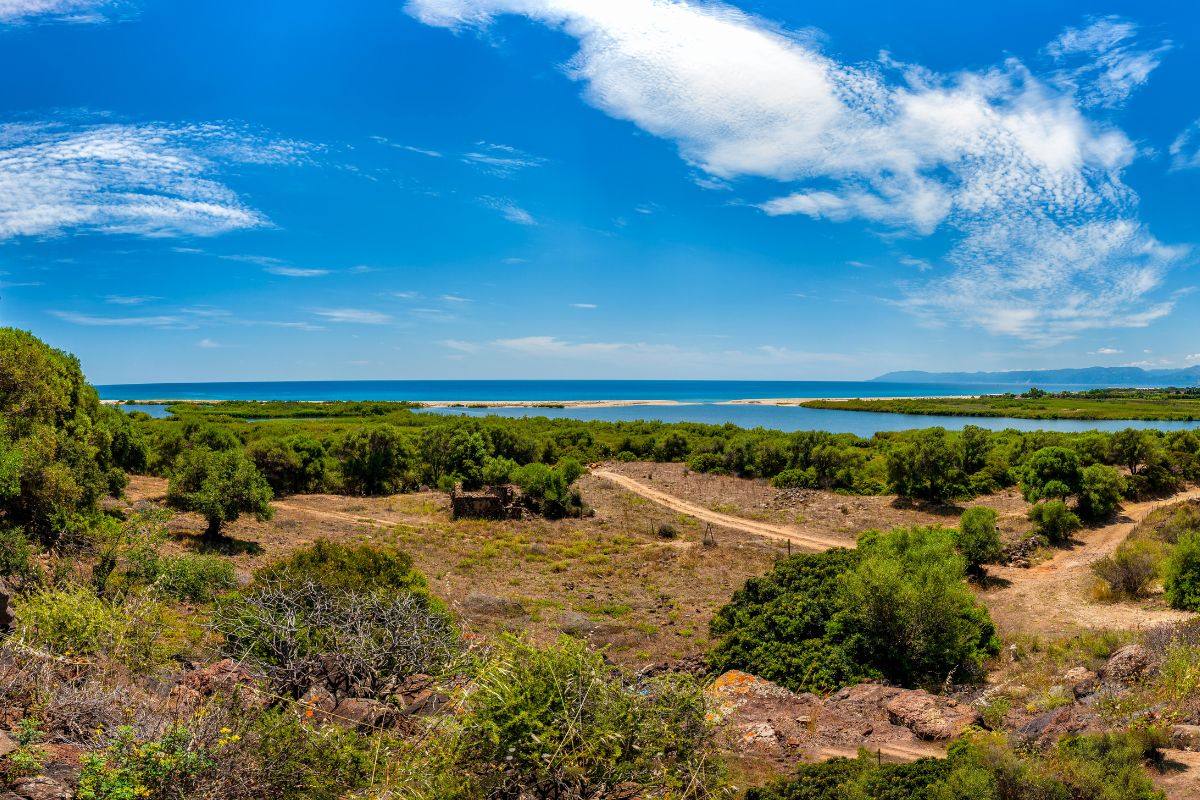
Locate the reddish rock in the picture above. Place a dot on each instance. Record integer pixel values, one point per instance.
(930, 717)
(1046, 729)
(41, 787)
(363, 713)
(224, 676)
(1080, 681)
(1128, 664)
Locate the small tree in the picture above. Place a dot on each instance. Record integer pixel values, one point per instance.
(1054, 520)
(1100, 491)
(1181, 575)
(220, 486)
(375, 460)
(1051, 472)
(1130, 569)
(977, 538)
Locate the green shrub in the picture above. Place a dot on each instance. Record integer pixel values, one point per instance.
(198, 579)
(353, 568)
(1100, 492)
(17, 557)
(1054, 521)
(1128, 572)
(1181, 573)
(71, 620)
(219, 485)
(795, 479)
(560, 722)
(898, 607)
(977, 538)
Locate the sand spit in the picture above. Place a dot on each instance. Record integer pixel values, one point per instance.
(449, 403)
(795, 401)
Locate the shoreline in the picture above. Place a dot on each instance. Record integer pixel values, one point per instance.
(549, 404)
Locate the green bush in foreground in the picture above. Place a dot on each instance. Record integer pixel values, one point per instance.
(1181, 573)
(984, 767)
(978, 539)
(560, 722)
(353, 568)
(897, 607)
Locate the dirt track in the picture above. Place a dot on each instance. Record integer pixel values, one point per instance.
(802, 539)
(1051, 598)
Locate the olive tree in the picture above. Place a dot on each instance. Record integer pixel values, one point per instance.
(219, 485)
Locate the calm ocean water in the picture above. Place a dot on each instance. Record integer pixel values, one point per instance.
(702, 399)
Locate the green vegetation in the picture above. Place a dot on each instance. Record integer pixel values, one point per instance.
(897, 607)
(1181, 579)
(985, 767)
(1118, 404)
(1054, 521)
(978, 540)
(219, 485)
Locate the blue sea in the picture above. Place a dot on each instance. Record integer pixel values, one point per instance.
(701, 401)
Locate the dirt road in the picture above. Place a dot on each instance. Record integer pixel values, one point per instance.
(1051, 598)
(801, 539)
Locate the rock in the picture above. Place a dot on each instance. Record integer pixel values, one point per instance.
(1185, 737)
(7, 745)
(362, 712)
(1047, 728)
(41, 788)
(490, 605)
(224, 676)
(758, 732)
(930, 717)
(573, 623)
(1127, 664)
(317, 704)
(1081, 681)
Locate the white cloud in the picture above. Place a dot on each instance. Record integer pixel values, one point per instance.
(501, 159)
(460, 345)
(208, 344)
(354, 315)
(151, 180)
(583, 305)
(1192, 358)
(1113, 64)
(552, 346)
(157, 321)
(1105, 351)
(406, 295)
(78, 11)
(453, 298)
(130, 300)
(1185, 150)
(513, 260)
(1007, 161)
(296, 272)
(509, 210)
(920, 264)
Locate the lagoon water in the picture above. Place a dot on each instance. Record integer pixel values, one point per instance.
(701, 401)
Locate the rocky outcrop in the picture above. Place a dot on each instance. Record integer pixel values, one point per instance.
(1185, 737)
(1080, 681)
(1047, 728)
(930, 717)
(1128, 664)
(41, 787)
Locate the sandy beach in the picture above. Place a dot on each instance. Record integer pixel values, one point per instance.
(795, 401)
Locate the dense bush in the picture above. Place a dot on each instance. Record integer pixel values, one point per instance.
(376, 459)
(898, 607)
(198, 579)
(359, 568)
(1054, 521)
(1181, 573)
(1129, 571)
(984, 767)
(1100, 492)
(978, 539)
(561, 722)
(134, 630)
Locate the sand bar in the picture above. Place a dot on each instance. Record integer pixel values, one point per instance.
(439, 403)
(795, 401)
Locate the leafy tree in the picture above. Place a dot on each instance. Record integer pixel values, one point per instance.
(360, 568)
(220, 486)
(1181, 573)
(978, 539)
(1135, 448)
(292, 465)
(927, 466)
(673, 447)
(1054, 521)
(376, 459)
(1051, 472)
(908, 608)
(1100, 492)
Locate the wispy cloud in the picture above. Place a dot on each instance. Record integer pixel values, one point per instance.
(513, 260)
(151, 180)
(208, 344)
(129, 300)
(1192, 358)
(509, 210)
(1010, 162)
(297, 272)
(76, 11)
(460, 345)
(1185, 150)
(583, 305)
(501, 159)
(359, 316)
(157, 321)
(1105, 351)
(454, 298)
(419, 150)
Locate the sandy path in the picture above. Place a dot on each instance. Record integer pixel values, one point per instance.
(802, 539)
(1051, 598)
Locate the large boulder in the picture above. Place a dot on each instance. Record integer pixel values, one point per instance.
(1080, 681)
(1128, 664)
(7, 745)
(363, 713)
(222, 677)
(1047, 728)
(41, 787)
(1185, 737)
(930, 717)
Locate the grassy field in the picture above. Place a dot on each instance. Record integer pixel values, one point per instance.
(1114, 404)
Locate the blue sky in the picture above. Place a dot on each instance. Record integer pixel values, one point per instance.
(575, 189)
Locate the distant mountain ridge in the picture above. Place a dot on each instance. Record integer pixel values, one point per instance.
(1083, 376)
